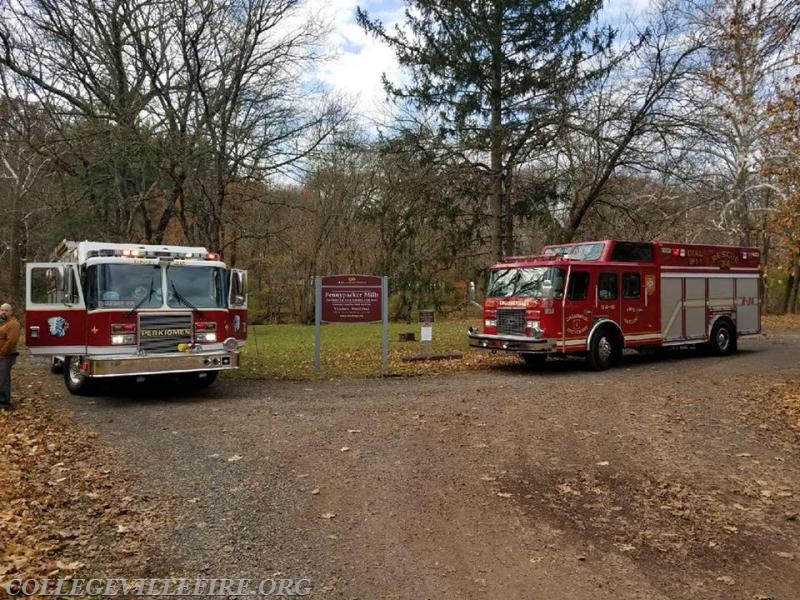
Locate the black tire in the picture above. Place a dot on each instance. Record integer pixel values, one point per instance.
(77, 384)
(534, 360)
(199, 380)
(723, 338)
(56, 365)
(604, 350)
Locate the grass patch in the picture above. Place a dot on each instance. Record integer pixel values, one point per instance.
(354, 351)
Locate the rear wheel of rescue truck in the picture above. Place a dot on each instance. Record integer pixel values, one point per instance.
(77, 383)
(722, 340)
(605, 348)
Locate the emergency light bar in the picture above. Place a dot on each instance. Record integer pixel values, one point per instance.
(533, 257)
(144, 253)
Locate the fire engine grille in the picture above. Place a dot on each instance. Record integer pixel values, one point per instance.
(511, 321)
(163, 333)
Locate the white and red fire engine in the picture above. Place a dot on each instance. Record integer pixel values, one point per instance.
(105, 310)
(597, 298)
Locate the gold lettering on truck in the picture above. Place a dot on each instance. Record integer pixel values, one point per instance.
(165, 332)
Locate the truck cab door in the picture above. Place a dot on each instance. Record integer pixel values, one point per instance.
(55, 310)
(606, 301)
(577, 309)
(237, 303)
(639, 306)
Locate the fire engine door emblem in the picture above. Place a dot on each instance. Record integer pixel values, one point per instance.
(649, 284)
(577, 324)
(237, 323)
(58, 326)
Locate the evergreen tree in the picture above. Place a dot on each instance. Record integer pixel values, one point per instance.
(498, 75)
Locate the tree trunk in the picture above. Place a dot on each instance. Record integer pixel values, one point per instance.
(766, 246)
(498, 201)
(791, 285)
(15, 290)
(508, 216)
(787, 293)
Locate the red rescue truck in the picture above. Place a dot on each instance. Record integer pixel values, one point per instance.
(597, 298)
(106, 310)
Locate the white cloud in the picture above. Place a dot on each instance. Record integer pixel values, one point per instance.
(358, 60)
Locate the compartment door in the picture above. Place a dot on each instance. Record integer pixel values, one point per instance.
(695, 308)
(748, 304)
(55, 311)
(671, 308)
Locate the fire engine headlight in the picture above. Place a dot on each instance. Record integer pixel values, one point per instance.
(534, 328)
(490, 323)
(123, 339)
(206, 337)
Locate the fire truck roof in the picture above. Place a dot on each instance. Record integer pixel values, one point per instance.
(661, 253)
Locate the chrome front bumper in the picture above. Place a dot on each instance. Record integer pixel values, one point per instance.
(509, 343)
(174, 362)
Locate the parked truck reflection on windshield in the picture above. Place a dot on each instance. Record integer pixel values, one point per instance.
(528, 282)
(116, 285)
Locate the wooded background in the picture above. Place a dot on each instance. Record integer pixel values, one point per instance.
(516, 123)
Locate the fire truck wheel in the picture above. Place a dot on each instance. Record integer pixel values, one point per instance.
(604, 350)
(76, 383)
(200, 380)
(723, 338)
(534, 360)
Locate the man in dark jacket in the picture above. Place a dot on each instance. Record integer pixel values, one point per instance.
(9, 335)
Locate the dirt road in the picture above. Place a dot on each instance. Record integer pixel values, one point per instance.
(666, 478)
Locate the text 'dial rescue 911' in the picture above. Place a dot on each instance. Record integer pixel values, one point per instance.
(106, 310)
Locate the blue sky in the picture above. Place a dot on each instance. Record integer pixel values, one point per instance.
(359, 60)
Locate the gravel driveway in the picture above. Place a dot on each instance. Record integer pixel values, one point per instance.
(668, 477)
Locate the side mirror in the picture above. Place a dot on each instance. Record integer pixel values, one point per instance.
(471, 291)
(238, 287)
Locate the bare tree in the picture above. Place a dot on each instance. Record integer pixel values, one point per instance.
(751, 46)
(255, 117)
(76, 57)
(170, 105)
(625, 128)
(23, 182)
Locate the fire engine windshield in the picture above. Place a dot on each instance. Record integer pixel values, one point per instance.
(116, 285)
(530, 282)
(195, 287)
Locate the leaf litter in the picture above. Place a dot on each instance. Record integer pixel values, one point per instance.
(66, 508)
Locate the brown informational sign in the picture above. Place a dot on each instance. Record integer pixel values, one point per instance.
(351, 299)
(426, 316)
